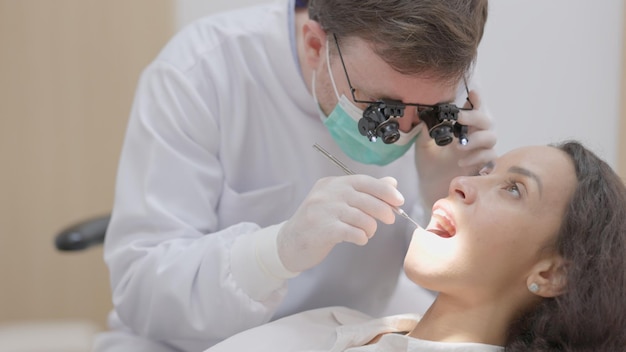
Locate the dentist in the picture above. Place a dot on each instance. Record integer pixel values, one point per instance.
(225, 216)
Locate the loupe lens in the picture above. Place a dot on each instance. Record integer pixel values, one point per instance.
(389, 132)
(442, 134)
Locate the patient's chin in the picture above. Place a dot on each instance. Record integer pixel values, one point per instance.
(417, 277)
(420, 231)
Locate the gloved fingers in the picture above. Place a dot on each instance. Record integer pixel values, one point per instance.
(347, 223)
(358, 235)
(370, 207)
(474, 97)
(391, 180)
(481, 152)
(383, 189)
(484, 139)
(481, 135)
(476, 120)
(337, 209)
(337, 199)
(375, 197)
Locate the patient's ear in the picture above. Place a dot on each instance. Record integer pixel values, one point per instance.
(548, 277)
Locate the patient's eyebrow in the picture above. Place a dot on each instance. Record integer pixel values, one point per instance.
(528, 173)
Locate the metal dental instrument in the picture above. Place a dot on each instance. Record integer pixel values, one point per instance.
(347, 171)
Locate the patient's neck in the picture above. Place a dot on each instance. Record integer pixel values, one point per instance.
(454, 320)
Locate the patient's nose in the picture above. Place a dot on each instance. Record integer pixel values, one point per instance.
(462, 188)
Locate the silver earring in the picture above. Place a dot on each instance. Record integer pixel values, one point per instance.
(534, 288)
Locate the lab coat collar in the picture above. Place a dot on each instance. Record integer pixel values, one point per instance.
(354, 332)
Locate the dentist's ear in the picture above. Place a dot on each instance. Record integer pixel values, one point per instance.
(313, 42)
(548, 277)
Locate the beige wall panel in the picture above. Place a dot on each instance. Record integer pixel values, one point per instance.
(621, 154)
(68, 70)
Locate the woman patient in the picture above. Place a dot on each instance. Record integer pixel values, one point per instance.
(529, 255)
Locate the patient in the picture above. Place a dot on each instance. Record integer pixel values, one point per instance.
(529, 255)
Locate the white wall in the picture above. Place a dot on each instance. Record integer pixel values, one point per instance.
(550, 70)
(188, 10)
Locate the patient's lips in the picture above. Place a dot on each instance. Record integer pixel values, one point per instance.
(442, 223)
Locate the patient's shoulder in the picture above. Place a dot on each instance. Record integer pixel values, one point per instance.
(311, 330)
(327, 316)
(346, 316)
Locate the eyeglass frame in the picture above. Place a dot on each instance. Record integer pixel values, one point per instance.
(440, 118)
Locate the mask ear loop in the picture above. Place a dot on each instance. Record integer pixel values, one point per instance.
(330, 73)
(315, 94)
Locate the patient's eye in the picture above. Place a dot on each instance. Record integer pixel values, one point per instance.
(485, 170)
(513, 187)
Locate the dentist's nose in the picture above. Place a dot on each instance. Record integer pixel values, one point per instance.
(410, 119)
(462, 188)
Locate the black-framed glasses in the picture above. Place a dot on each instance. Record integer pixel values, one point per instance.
(379, 117)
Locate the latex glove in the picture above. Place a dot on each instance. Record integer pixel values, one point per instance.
(437, 166)
(337, 209)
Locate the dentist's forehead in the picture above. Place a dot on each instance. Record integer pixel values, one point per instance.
(373, 76)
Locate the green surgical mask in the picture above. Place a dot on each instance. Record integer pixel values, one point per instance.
(342, 123)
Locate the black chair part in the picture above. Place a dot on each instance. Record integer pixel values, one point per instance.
(83, 234)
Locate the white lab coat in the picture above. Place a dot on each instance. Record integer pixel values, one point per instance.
(218, 149)
(337, 329)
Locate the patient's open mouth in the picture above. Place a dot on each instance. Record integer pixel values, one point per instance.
(443, 226)
(440, 233)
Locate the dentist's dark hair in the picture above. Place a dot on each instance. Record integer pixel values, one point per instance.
(591, 314)
(433, 38)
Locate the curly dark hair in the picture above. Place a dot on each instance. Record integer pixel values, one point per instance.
(591, 314)
(428, 37)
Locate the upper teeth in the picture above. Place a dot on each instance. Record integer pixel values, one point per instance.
(440, 213)
(445, 222)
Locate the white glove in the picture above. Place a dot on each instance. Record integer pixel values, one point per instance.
(337, 209)
(437, 166)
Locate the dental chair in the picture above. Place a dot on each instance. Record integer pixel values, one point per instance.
(59, 335)
(82, 234)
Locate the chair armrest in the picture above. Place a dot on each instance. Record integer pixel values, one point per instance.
(83, 234)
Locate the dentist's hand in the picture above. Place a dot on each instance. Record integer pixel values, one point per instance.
(337, 209)
(437, 166)
(482, 137)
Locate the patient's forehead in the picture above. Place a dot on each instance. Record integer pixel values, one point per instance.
(538, 155)
(553, 166)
